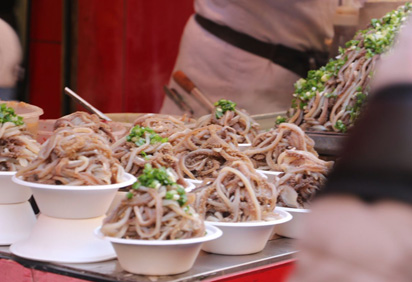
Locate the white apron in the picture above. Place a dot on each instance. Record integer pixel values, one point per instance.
(256, 84)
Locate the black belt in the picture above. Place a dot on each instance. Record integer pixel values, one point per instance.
(294, 60)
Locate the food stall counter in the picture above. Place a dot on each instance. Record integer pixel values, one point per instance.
(274, 263)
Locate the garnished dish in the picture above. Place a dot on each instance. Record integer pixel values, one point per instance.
(18, 148)
(154, 230)
(238, 194)
(167, 126)
(144, 146)
(227, 115)
(331, 98)
(156, 208)
(240, 202)
(204, 151)
(210, 135)
(267, 146)
(83, 119)
(74, 156)
(303, 175)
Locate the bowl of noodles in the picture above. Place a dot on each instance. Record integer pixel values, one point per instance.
(154, 224)
(241, 202)
(292, 229)
(17, 150)
(159, 257)
(303, 174)
(29, 113)
(71, 201)
(74, 175)
(47, 126)
(243, 238)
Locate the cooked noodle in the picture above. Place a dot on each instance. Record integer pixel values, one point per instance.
(158, 154)
(238, 194)
(267, 146)
(331, 98)
(83, 119)
(204, 151)
(74, 156)
(149, 214)
(17, 147)
(303, 175)
(245, 127)
(173, 128)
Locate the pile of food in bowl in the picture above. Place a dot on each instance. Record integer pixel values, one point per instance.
(236, 198)
(156, 223)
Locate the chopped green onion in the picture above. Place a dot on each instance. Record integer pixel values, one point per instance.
(138, 136)
(7, 114)
(341, 126)
(280, 119)
(222, 106)
(377, 39)
(157, 177)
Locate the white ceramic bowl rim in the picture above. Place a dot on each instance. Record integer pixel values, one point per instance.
(128, 179)
(292, 210)
(285, 216)
(212, 233)
(6, 173)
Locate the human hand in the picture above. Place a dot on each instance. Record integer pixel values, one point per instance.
(396, 65)
(348, 240)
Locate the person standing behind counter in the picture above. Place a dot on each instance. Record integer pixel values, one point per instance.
(10, 59)
(360, 226)
(252, 52)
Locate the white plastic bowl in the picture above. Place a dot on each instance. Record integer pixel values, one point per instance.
(293, 228)
(16, 222)
(65, 201)
(10, 192)
(64, 241)
(243, 238)
(159, 257)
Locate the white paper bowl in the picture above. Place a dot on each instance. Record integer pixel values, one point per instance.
(159, 257)
(64, 241)
(65, 201)
(242, 238)
(16, 222)
(293, 228)
(10, 192)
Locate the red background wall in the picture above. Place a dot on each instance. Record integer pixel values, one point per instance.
(125, 52)
(45, 56)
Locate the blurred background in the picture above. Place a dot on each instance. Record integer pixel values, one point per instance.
(117, 54)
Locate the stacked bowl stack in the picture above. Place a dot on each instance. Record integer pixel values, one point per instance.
(16, 215)
(64, 231)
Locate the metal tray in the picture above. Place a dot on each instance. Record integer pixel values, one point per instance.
(328, 143)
